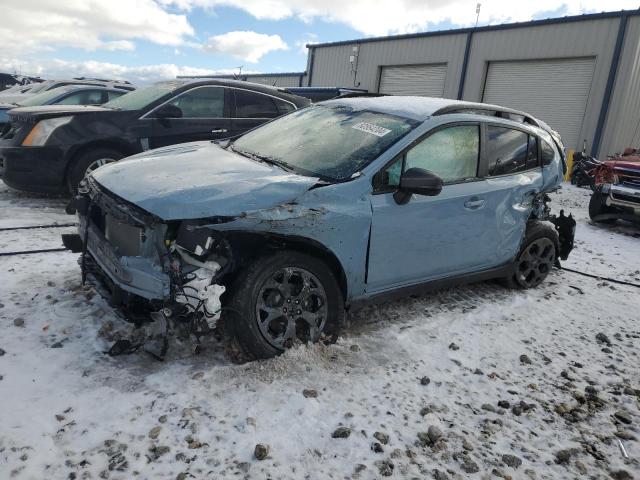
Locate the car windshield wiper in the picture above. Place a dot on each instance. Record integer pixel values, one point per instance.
(264, 159)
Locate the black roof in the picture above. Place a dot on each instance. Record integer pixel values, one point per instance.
(257, 87)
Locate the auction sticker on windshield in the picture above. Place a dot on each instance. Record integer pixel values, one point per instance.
(371, 128)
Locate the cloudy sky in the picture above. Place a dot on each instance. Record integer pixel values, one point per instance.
(147, 40)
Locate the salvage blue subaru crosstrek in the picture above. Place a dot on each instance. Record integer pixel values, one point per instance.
(315, 212)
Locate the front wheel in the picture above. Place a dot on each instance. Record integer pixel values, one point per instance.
(597, 207)
(282, 299)
(536, 258)
(87, 163)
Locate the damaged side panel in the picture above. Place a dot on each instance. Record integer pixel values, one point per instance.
(327, 218)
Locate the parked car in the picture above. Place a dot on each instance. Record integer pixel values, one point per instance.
(343, 202)
(22, 92)
(616, 192)
(50, 149)
(9, 80)
(67, 95)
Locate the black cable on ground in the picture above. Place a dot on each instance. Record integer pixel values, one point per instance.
(599, 277)
(27, 252)
(55, 225)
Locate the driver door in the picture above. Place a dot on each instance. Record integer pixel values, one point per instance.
(432, 236)
(205, 116)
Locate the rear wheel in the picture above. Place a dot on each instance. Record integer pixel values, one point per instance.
(536, 258)
(282, 299)
(597, 206)
(88, 162)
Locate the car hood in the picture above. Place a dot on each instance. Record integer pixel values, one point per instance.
(631, 164)
(199, 180)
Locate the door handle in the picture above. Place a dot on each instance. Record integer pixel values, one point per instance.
(474, 204)
(219, 130)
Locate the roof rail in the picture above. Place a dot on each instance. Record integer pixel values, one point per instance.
(491, 111)
(102, 80)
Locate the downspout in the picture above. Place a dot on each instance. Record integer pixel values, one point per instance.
(606, 101)
(465, 64)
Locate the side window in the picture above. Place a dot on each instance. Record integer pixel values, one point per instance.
(546, 152)
(84, 97)
(284, 107)
(114, 95)
(203, 102)
(255, 105)
(506, 150)
(389, 178)
(452, 153)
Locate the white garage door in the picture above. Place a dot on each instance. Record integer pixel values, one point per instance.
(555, 91)
(422, 80)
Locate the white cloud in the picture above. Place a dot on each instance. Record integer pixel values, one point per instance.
(247, 45)
(400, 16)
(119, 45)
(35, 25)
(308, 39)
(138, 75)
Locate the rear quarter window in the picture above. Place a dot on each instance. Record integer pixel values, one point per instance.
(255, 105)
(510, 151)
(546, 152)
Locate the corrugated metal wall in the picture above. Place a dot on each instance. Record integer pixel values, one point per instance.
(622, 128)
(593, 38)
(590, 37)
(331, 66)
(284, 80)
(277, 80)
(555, 91)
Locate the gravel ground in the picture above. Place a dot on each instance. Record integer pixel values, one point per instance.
(473, 382)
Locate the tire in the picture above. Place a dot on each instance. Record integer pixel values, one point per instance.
(262, 290)
(87, 162)
(597, 207)
(536, 257)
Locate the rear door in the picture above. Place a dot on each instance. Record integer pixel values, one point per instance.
(254, 108)
(205, 116)
(513, 175)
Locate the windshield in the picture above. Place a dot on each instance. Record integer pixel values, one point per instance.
(44, 98)
(142, 97)
(329, 142)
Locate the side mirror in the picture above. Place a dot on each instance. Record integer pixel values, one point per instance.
(418, 181)
(168, 111)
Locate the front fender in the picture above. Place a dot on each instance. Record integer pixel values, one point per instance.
(325, 217)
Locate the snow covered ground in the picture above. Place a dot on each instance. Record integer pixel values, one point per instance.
(475, 382)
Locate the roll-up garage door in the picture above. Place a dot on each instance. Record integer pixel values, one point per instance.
(555, 91)
(422, 80)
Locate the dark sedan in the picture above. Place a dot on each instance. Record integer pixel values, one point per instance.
(67, 95)
(50, 149)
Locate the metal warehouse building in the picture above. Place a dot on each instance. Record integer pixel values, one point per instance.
(580, 74)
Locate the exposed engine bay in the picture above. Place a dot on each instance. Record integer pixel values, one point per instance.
(180, 265)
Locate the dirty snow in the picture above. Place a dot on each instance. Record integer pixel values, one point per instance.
(443, 360)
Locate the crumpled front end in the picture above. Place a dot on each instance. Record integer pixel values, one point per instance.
(123, 245)
(134, 257)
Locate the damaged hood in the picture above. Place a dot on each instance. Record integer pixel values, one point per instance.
(198, 180)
